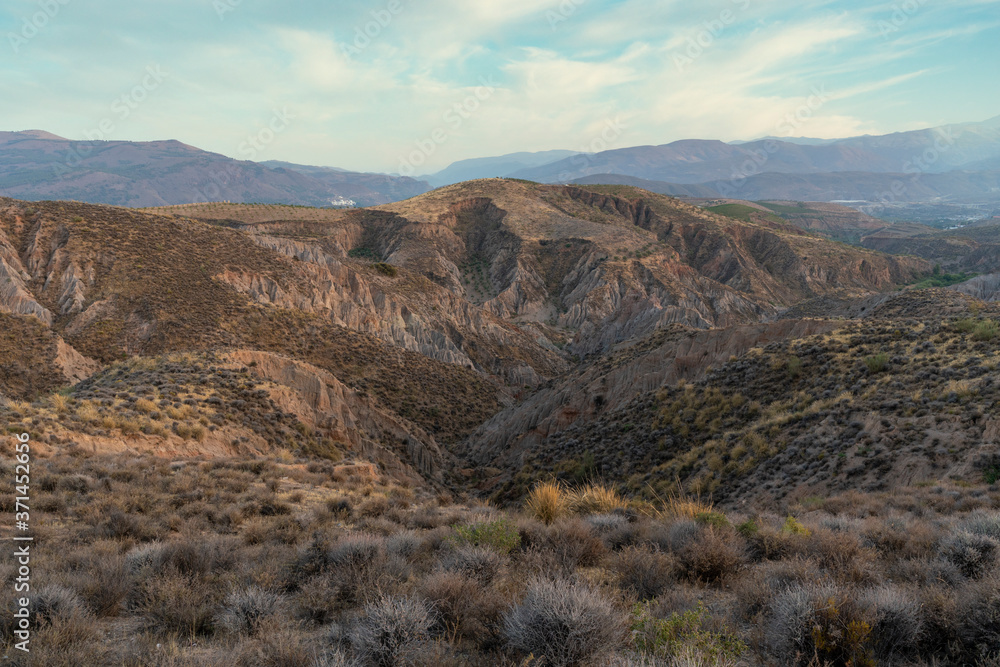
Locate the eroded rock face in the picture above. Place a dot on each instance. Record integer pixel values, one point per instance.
(15, 297)
(986, 288)
(74, 366)
(437, 323)
(323, 402)
(638, 263)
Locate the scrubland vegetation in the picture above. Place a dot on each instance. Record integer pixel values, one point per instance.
(141, 561)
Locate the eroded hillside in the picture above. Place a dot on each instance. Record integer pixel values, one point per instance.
(453, 338)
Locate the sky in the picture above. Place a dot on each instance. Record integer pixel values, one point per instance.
(409, 86)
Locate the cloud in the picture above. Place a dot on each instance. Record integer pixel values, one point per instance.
(558, 83)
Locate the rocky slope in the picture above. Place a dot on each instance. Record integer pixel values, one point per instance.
(903, 393)
(975, 249)
(468, 326)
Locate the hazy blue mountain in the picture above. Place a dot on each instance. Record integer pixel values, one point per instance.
(489, 167)
(37, 165)
(962, 155)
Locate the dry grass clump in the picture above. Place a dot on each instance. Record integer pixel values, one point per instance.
(597, 499)
(549, 501)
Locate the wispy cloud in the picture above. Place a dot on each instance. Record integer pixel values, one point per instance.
(556, 83)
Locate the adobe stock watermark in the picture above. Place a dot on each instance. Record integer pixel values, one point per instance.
(788, 126)
(257, 142)
(365, 35)
(34, 24)
(563, 13)
(901, 15)
(223, 7)
(710, 31)
(250, 149)
(453, 119)
(121, 108)
(610, 133)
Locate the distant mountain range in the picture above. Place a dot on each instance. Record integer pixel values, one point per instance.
(490, 167)
(958, 164)
(38, 165)
(935, 150)
(951, 163)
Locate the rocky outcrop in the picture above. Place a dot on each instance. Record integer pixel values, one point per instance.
(15, 298)
(14, 295)
(429, 320)
(986, 288)
(74, 366)
(320, 400)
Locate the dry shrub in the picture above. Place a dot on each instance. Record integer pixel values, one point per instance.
(939, 607)
(645, 571)
(60, 611)
(983, 523)
(318, 599)
(710, 558)
(374, 506)
(121, 525)
(795, 622)
(573, 545)
(197, 556)
(682, 507)
(548, 501)
(145, 406)
(677, 536)
(281, 648)
(893, 614)
(391, 630)
(477, 563)
(104, 581)
(841, 555)
(890, 538)
(976, 618)
(566, 623)
(974, 555)
(361, 568)
(768, 544)
(464, 606)
(178, 604)
(246, 611)
(59, 402)
(755, 590)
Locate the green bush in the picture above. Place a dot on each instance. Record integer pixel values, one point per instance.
(713, 519)
(667, 637)
(500, 535)
(386, 269)
(985, 331)
(877, 362)
(794, 527)
(966, 325)
(748, 528)
(363, 253)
